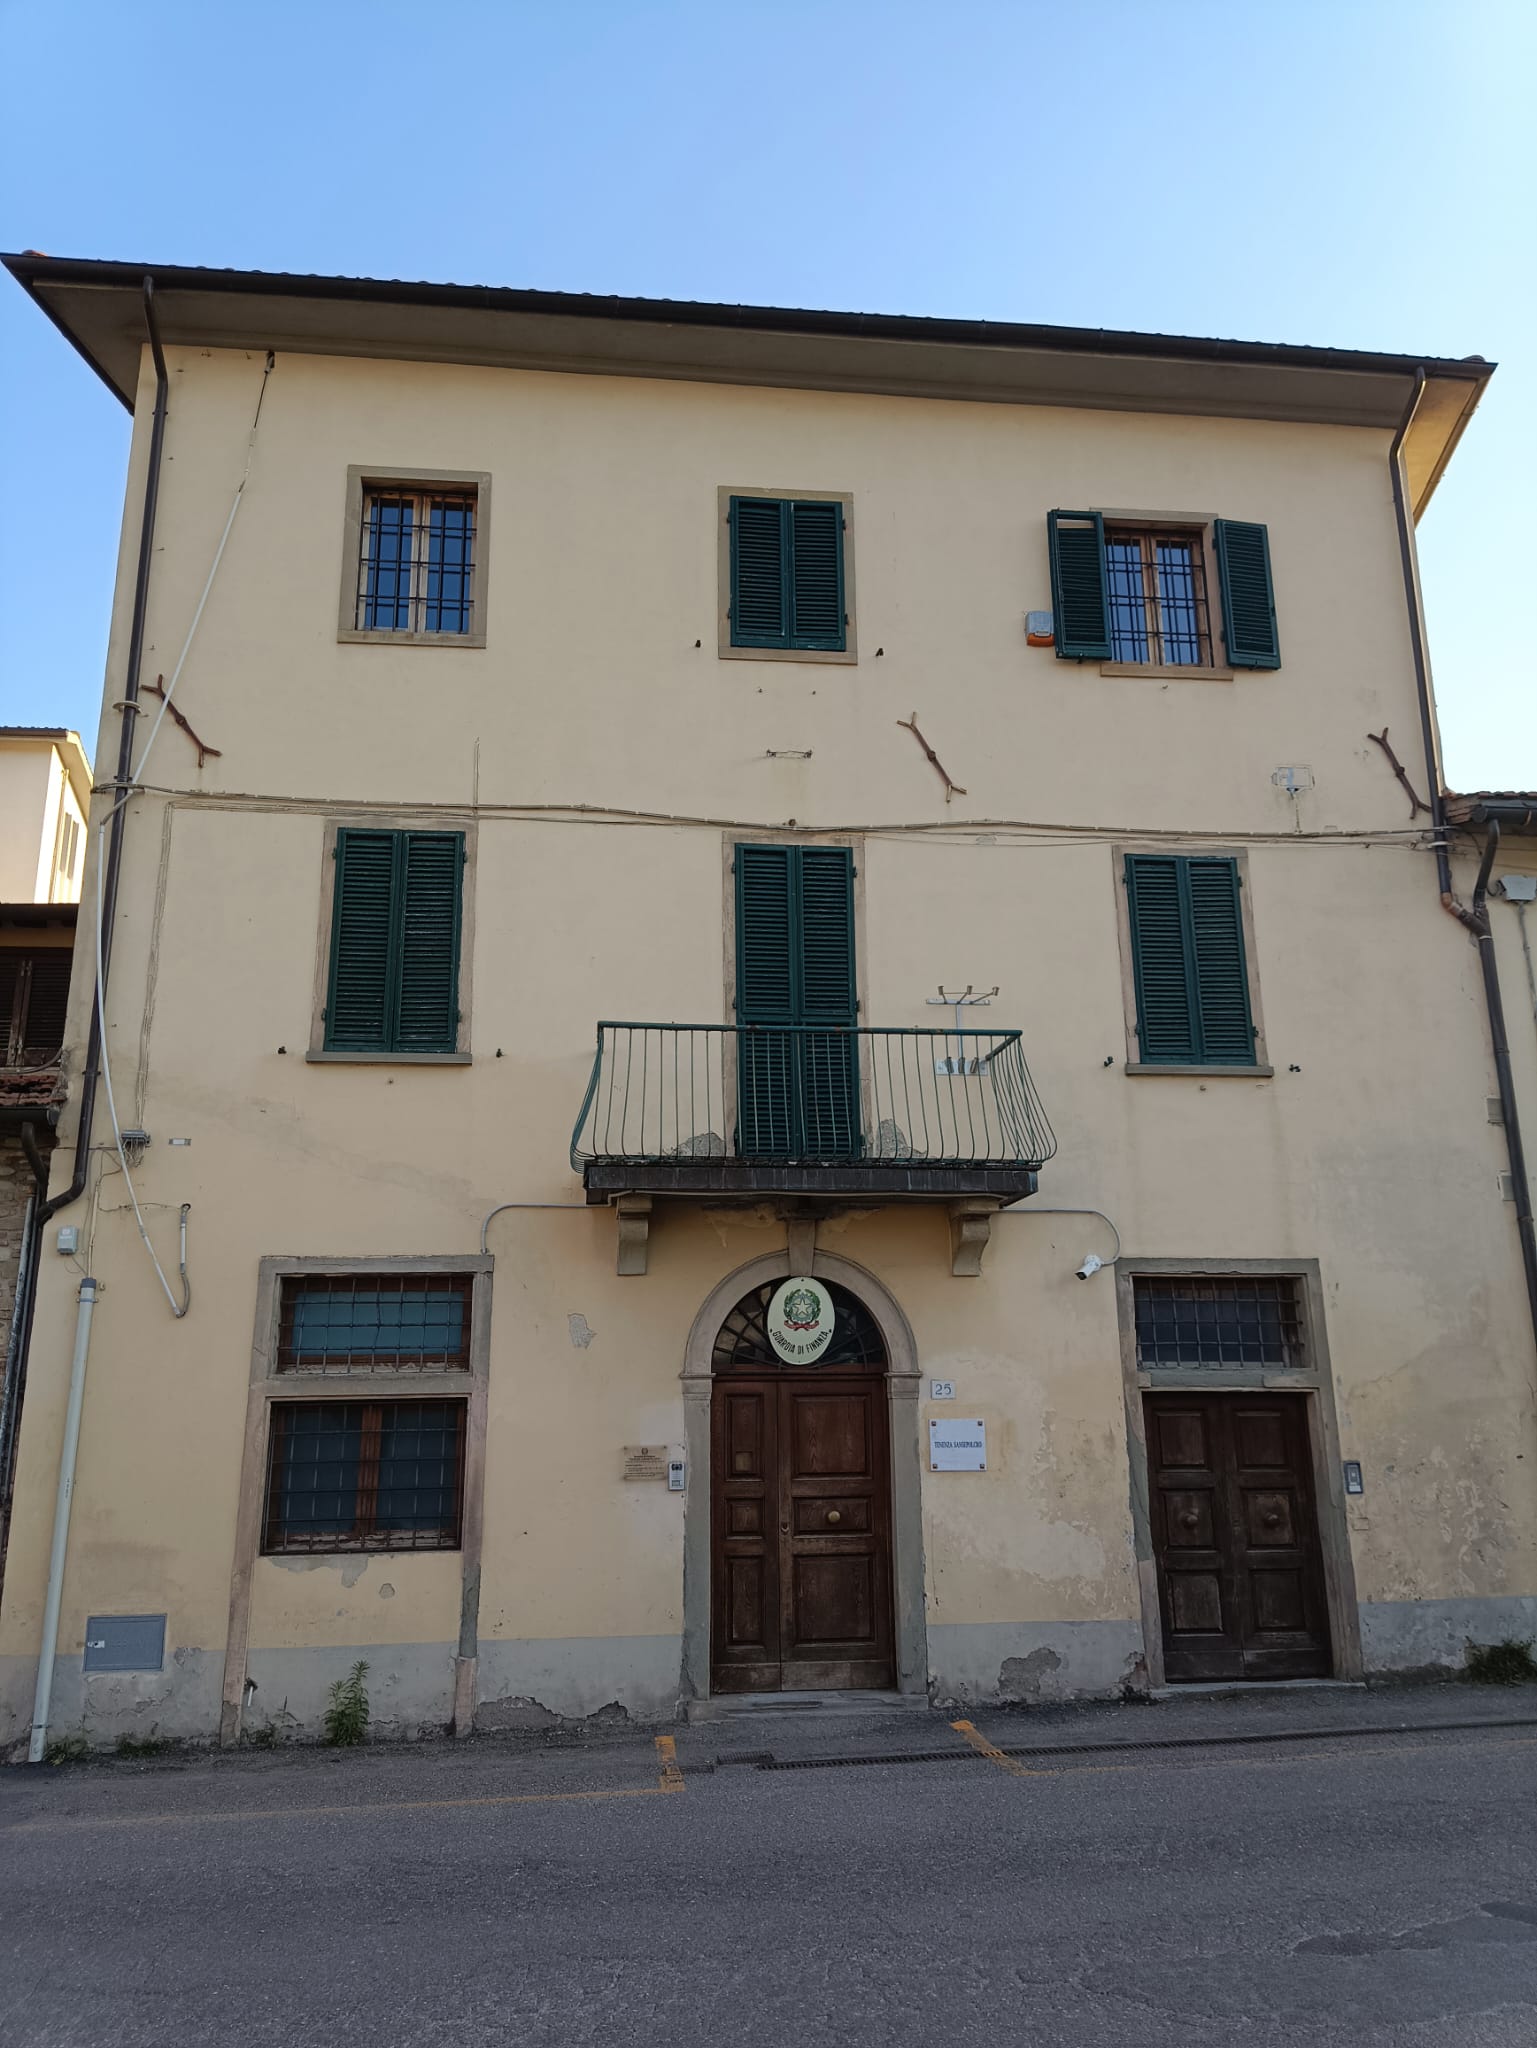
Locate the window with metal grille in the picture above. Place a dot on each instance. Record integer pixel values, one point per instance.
(1237, 1321)
(1156, 593)
(360, 1323)
(742, 1344)
(34, 994)
(365, 1475)
(416, 566)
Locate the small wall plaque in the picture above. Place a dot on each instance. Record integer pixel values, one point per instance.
(645, 1461)
(1354, 1483)
(958, 1446)
(941, 1390)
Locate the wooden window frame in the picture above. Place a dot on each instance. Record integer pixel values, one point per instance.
(319, 1051)
(847, 655)
(363, 482)
(1261, 1069)
(1148, 528)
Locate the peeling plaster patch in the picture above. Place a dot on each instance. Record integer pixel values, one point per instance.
(351, 1568)
(521, 1712)
(581, 1333)
(1027, 1680)
(386, 1591)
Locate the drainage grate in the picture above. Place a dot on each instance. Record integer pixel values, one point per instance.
(899, 1756)
(1041, 1752)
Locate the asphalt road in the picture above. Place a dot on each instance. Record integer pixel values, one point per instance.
(1378, 1890)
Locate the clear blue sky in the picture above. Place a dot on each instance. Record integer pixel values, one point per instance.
(1354, 172)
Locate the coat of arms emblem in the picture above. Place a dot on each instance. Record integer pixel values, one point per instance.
(800, 1322)
(802, 1309)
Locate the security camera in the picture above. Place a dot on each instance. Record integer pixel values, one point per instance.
(1090, 1266)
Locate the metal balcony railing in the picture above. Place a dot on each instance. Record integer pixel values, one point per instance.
(805, 1096)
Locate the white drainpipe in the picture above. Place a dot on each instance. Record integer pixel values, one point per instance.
(57, 1555)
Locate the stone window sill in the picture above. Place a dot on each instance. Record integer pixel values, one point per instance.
(1170, 672)
(388, 1059)
(1256, 1073)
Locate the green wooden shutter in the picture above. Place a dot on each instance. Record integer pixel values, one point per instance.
(1161, 966)
(359, 1003)
(394, 977)
(797, 1088)
(829, 1057)
(760, 583)
(766, 979)
(787, 574)
(1079, 597)
(1221, 976)
(767, 987)
(1248, 595)
(431, 871)
(816, 584)
(1192, 981)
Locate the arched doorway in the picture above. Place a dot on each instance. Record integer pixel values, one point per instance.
(801, 1567)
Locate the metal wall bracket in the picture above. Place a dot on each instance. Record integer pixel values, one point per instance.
(971, 1232)
(634, 1215)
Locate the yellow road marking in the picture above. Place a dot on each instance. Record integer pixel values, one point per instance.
(991, 1751)
(668, 1771)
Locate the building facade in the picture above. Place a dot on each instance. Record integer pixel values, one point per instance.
(778, 1025)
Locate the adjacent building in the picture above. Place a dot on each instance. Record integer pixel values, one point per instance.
(45, 793)
(775, 1019)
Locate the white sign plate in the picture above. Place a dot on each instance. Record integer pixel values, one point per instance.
(800, 1321)
(957, 1446)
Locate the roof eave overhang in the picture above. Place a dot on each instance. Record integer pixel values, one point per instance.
(99, 308)
(1512, 810)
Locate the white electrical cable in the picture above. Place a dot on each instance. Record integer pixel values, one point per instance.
(178, 1308)
(181, 661)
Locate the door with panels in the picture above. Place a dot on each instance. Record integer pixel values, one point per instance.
(801, 1574)
(1235, 1536)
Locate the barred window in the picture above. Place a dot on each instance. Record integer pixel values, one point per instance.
(365, 1475)
(347, 1323)
(1211, 1322)
(1156, 592)
(416, 567)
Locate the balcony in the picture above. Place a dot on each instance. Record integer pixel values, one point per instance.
(740, 1113)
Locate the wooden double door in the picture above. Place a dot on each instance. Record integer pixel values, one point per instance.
(1235, 1535)
(801, 1575)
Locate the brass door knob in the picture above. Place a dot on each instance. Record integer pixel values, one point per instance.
(833, 1515)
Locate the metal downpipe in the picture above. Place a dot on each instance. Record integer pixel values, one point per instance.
(42, 1698)
(1520, 1187)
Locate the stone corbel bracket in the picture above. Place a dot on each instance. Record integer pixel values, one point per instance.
(634, 1214)
(971, 1231)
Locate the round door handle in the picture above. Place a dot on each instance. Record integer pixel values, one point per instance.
(1273, 1519)
(1189, 1520)
(833, 1515)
